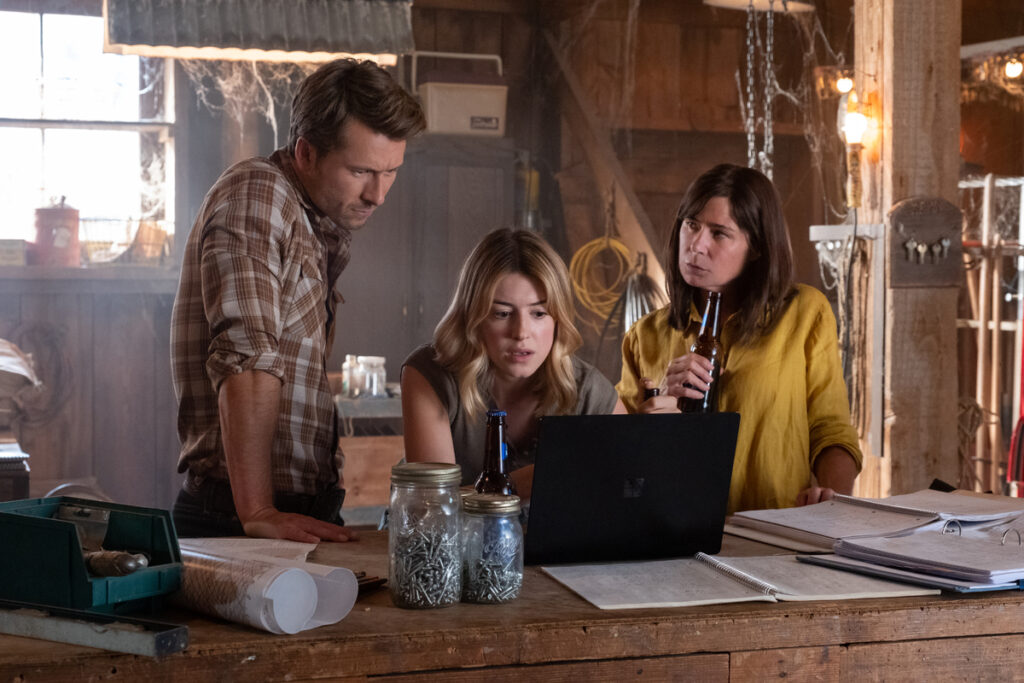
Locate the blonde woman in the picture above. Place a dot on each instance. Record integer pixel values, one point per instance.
(506, 342)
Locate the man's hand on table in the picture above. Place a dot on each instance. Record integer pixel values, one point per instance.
(272, 523)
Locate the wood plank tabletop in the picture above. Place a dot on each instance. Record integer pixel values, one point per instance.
(560, 635)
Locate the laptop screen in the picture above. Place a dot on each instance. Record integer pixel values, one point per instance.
(628, 487)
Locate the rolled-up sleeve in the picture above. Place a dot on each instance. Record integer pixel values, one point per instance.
(828, 411)
(628, 387)
(241, 271)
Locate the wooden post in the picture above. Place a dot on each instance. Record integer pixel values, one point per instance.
(907, 70)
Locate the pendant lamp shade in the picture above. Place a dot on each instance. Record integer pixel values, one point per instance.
(277, 30)
(764, 5)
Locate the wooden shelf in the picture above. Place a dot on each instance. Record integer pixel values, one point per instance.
(114, 279)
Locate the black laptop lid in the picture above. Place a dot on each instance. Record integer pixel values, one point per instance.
(628, 487)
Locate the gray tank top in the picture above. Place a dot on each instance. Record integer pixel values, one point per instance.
(596, 396)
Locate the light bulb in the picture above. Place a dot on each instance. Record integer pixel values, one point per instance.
(1014, 68)
(844, 84)
(854, 126)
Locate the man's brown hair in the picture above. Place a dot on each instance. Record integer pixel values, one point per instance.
(346, 88)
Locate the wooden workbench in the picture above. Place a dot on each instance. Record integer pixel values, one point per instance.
(561, 637)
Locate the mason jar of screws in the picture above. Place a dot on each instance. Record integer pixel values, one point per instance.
(424, 535)
(492, 548)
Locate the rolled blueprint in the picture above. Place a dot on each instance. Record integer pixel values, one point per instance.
(269, 593)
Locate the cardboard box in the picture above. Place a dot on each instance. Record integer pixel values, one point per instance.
(464, 108)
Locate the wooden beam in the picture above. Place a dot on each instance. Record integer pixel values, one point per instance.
(93, 8)
(634, 226)
(991, 47)
(907, 65)
(499, 6)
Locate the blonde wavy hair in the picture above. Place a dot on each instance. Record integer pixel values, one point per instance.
(457, 341)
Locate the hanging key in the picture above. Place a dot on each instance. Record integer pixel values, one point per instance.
(910, 245)
(922, 249)
(936, 250)
(945, 246)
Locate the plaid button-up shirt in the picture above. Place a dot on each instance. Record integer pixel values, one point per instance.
(257, 293)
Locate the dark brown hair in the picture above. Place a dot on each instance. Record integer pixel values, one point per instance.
(766, 283)
(348, 88)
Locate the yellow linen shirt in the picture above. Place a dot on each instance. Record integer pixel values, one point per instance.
(787, 387)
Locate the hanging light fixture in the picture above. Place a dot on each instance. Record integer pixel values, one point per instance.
(763, 5)
(270, 30)
(854, 126)
(833, 81)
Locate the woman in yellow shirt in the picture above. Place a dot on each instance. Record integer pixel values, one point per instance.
(780, 354)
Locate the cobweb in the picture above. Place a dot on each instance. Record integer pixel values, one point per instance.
(1006, 220)
(1005, 207)
(240, 88)
(783, 89)
(624, 76)
(793, 98)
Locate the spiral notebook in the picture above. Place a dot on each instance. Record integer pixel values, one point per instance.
(707, 580)
(610, 488)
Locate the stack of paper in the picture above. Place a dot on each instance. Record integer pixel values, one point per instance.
(976, 552)
(976, 560)
(816, 528)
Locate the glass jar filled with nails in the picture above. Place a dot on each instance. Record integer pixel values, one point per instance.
(424, 535)
(492, 550)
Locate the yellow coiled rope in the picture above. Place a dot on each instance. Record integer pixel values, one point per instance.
(598, 271)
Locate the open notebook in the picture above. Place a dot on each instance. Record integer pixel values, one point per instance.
(706, 580)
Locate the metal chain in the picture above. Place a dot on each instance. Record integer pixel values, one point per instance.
(760, 159)
(748, 115)
(769, 91)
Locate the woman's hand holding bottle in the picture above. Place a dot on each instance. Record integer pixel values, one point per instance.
(688, 376)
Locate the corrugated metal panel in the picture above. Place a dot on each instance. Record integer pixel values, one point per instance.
(303, 25)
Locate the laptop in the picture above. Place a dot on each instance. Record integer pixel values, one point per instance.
(610, 488)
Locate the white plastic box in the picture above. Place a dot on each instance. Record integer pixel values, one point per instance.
(464, 108)
(12, 252)
(459, 103)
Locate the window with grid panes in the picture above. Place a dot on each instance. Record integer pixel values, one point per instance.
(76, 123)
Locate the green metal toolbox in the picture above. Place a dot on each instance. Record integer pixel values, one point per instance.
(43, 560)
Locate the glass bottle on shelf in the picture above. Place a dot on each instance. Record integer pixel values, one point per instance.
(374, 376)
(347, 371)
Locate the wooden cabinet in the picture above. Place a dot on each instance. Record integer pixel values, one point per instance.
(450, 192)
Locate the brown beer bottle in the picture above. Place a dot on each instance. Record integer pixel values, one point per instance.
(709, 345)
(493, 478)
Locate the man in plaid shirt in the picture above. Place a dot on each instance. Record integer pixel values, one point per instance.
(254, 316)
